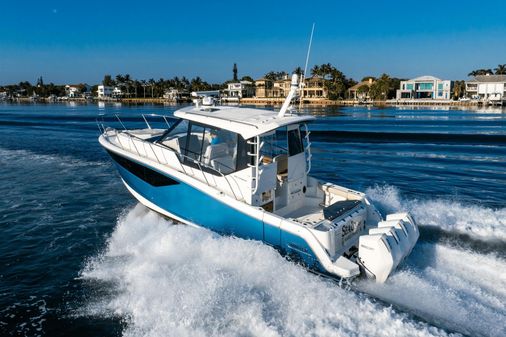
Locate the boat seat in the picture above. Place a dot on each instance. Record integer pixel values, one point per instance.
(282, 166)
(217, 157)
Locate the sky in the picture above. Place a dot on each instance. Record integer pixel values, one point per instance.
(81, 41)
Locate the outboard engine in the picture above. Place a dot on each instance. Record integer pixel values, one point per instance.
(386, 246)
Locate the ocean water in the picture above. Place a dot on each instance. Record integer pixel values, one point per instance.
(80, 257)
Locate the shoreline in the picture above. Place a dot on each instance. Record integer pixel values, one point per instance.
(272, 102)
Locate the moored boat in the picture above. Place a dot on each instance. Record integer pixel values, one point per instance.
(245, 172)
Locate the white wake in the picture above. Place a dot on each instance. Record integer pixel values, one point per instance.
(477, 221)
(174, 280)
(459, 289)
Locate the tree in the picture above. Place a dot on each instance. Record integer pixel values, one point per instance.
(480, 72)
(363, 89)
(107, 81)
(275, 75)
(501, 69)
(235, 72)
(248, 78)
(367, 78)
(380, 89)
(459, 89)
(298, 71)
(120, 79)
(315, 71)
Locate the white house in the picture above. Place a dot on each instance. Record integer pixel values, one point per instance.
(240, 89)
(425, 87)
(487, 87)
(117, 92)
(73, 90)
(104, 91)
(175, 95)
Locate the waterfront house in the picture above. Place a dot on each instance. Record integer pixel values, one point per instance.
(72, 91)
(425, 87)
(104, 91)
(176, 96)
(240, 89)
(487, 88)
(360, 91)
(314, 87)
(117, 93)
(76, 90)
(263, 88)
(281, 88)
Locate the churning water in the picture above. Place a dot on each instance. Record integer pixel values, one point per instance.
(80, 257)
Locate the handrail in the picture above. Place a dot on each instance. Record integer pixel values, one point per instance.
(199, 164)
(308, 149)
(256, 154)
(157, 115)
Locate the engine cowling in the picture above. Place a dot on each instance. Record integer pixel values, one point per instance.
(386, 245)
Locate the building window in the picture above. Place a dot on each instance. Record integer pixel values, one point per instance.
(440, 86)
(425, 86)
(409, 86)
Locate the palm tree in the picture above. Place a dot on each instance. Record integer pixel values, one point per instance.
(151, 84)
(120, 79)
(501, 69)
(298, 71)
(316, 71)
(481, 72)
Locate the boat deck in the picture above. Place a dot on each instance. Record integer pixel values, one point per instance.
(313, 212)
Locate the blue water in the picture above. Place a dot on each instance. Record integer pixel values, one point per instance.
(79, 257)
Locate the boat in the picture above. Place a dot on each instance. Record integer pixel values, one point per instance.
(246, 172)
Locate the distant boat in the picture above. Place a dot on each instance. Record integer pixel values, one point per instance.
(245, 172)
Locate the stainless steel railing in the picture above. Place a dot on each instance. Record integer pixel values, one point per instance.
(111, 132)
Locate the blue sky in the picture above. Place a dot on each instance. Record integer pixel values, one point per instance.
(80, 41)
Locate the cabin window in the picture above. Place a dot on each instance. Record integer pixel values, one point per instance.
(194, 142)
(275, 144)
(212, 149)
(215, 150)
(281, 142)
(295, 145)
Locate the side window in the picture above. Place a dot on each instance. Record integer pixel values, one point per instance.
(274, 145)
(295, 145)
(220, 150)
(177, 130)
(194, 142)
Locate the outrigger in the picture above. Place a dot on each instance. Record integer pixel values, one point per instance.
(245, 172)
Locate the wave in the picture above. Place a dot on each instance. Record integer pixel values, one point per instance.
(411, 137)
(461, 289)
(10, 155)
(174, 280)
(476, 221)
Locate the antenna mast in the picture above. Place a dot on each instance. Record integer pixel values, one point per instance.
(305, 66)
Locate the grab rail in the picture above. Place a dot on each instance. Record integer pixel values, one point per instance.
(308, 149)
(192, 160)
